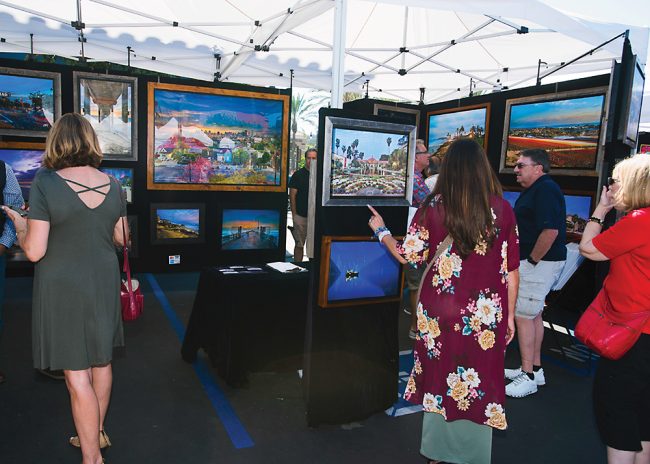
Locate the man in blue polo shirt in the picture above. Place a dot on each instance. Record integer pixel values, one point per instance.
(541, 220)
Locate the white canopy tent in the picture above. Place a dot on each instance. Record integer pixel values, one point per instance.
(395, 47)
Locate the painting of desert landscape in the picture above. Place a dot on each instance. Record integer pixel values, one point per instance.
(368, 163)
(108, 105)
(444, 128)
(213, 140)
(24, 159)
(567, 129)
(176, 224)
(250, 229)
(27, 103)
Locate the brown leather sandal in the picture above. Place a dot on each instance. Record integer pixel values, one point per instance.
(104, 441)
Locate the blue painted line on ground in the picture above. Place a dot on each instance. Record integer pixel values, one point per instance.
(234, 428)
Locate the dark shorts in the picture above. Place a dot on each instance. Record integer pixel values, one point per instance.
(622, 398)
(413, 277)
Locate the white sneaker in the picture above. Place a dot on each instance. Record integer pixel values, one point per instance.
(521, 386)
(512, 374)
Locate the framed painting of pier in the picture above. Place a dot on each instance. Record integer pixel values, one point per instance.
(250, 229)
(109, 103)
(567, 125)
(203, 138)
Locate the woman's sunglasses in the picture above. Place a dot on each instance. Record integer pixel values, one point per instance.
(611, 181)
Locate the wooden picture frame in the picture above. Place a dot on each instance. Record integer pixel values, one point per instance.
(570, 133)
(110, 103)
(327, 242)
(17, 116)
(239, 144)
(453, 123)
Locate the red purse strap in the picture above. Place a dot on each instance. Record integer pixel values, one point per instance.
(126, 267)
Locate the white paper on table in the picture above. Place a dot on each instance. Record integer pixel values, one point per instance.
(285, 267)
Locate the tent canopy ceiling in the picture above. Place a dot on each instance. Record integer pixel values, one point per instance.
(395, 46)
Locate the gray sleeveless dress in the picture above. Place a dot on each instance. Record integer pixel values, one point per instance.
(76, 317)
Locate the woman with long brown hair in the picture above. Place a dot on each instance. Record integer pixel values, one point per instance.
(465, 236)
(75, 220)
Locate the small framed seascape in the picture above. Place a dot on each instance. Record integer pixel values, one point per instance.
(177, 223)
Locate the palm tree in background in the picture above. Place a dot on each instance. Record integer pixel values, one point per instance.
(304, 112)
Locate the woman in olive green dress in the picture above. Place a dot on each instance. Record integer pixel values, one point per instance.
(75, 221)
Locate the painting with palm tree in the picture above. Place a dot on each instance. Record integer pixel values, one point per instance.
(447, 125)
(368, 163)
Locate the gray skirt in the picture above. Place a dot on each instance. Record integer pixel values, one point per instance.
(457, 442)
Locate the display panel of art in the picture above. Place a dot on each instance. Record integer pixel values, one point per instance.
(357, 270)
(445, 126)
(399, 114)
(567, 125)
(250, 229)
(177, 223)
(109, 103)
(30, 101)
(25, 159)
(203, 138)
(125, 177)
(632, 108)
(367, 162)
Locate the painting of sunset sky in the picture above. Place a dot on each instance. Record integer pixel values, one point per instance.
(24, 163)
(567, 129)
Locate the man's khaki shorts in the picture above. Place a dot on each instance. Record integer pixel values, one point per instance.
(534, 284)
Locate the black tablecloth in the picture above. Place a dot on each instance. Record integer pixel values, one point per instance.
(248, 322)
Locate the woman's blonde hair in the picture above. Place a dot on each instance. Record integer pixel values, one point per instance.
(633, 174)
(72, 142)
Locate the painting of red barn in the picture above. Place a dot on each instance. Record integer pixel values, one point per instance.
(203, 138)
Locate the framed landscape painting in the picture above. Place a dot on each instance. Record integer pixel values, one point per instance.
(30, 101)
(357, 270)
(250, 229)
(177, 223)
(367, 162)
(109, 103)
(125, 177)
(25, 159)
(203, 138)
(578, 209)
(567, 125)
(445, 126)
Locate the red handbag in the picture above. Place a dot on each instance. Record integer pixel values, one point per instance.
(131, 297)
(608, 332)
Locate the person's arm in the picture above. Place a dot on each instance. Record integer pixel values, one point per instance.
(32, 234)
(11, 196)
(375, 222)
(543, 244)
(293, 194)
(592, 229)
(119, 237)
(513, 290)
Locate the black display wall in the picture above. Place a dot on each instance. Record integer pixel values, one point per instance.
(497, 101)
(154, 258)
(351, 352)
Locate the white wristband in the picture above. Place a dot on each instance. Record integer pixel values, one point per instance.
(382, 234)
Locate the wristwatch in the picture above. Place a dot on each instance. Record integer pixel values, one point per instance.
(532, 261)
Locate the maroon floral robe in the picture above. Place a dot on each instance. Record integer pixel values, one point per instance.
(462, 319)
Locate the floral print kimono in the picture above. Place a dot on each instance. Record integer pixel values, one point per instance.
(462, 319)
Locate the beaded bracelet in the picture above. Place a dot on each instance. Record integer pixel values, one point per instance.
(382, 234)
(379, 230)
(599, 221)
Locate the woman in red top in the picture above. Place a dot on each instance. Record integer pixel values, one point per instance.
(622, 387)
(465, 311)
